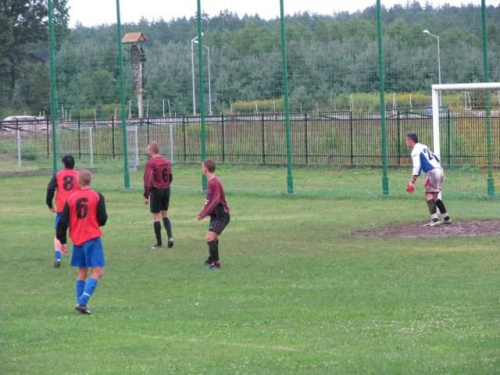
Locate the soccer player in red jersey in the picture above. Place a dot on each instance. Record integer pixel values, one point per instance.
(65, 182)
(157, 179)
(84, 213)
(216, 207)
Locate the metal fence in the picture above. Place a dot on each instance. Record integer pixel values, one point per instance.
(349, 139)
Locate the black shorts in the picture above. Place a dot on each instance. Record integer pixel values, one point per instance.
(159, 200)
(218, 223)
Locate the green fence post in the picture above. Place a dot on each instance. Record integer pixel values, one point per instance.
(113, 136)
(53, 87)
(398, 125)
(351, 137)
(48, 136)
(223, 133)
(126, 174)
(448, 137)
(79, 140)
(381, 73)
(202, 101)
(184, 134)
(306, 139)
(287, 109)
(263, 137)
(486, 78)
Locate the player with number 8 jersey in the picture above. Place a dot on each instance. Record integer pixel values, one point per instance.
(63, 184)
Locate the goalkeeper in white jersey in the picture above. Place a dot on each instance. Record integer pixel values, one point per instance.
(424, 160)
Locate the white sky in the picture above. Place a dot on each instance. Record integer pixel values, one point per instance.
(98, 12)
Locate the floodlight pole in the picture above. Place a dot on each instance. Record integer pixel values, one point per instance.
(439, 59)
(288, 136)
(203, 129)
(209, 85)
(486, 78)
(53, 85)
(192, 74)
(126, 174)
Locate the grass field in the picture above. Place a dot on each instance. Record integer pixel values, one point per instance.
(298, 294)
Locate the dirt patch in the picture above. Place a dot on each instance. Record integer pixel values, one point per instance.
(457, 228)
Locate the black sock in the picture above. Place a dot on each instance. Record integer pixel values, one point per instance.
(213, 248)
(442, 208)
(157, 228)
(432, 209)
(168, 226)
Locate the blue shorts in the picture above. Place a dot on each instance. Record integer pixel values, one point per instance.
(89, 255)
(57, 220)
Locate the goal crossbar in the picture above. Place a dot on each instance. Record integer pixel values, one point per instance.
(436, 89)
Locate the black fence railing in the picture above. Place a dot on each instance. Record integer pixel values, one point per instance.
(333, 138)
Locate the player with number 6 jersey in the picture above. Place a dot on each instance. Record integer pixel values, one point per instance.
(63, 184)
(157, 180)
(84, 214)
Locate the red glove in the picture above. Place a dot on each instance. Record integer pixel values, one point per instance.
(410, 188)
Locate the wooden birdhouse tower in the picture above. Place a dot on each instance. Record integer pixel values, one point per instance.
(138, 58)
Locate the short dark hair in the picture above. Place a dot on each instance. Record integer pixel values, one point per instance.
(210, 165)
(413, 137)
(68, 161)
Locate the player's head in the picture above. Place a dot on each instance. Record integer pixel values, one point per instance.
(411, 140)
(68, 161)
(84, 177)
(153, 148)
(208, 166)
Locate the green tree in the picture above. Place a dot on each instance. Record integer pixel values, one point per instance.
(23, 25)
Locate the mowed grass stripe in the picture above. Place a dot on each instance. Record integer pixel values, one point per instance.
(297, 292)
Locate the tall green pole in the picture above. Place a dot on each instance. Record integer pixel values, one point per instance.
(202, 97)
(53, 86)
(381, 77)
(126, 174)
(486, 78)
(284, 54)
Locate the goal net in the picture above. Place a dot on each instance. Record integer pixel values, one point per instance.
(466, 136)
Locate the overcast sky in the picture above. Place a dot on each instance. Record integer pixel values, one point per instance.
(97, 12)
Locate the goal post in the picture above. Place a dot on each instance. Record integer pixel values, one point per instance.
(481, 110)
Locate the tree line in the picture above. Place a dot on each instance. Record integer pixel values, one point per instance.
(329, 56)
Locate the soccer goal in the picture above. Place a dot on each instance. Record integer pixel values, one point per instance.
(466, 129)
(133, 147)
(77, 141)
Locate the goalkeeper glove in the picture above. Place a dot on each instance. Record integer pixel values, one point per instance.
(410, 187)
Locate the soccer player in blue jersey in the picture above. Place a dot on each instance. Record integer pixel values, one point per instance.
(424, 160)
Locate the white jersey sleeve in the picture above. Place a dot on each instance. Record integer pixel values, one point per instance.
(424, 160)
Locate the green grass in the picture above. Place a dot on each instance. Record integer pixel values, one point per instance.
(297, 294)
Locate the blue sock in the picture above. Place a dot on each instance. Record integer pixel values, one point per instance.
(80, 284)
(88, 290)
(57, 255)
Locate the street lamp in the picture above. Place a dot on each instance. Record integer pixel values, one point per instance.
(439, 59)
(192, 73)
(209, 88)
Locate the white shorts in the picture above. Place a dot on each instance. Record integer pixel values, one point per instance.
(434, 180)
